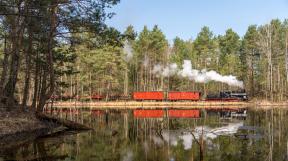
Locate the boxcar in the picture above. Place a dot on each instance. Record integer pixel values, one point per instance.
(139, 96)
(177, 96)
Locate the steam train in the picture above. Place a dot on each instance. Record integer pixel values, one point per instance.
(169, 96)
(190, 96)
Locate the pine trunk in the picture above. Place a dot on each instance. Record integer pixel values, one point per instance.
(4, 67)
(286, 57)
(27, 71)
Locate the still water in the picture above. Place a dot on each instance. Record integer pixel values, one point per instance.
(127, 135)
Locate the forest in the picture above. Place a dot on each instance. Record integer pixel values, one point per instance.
(63, 48)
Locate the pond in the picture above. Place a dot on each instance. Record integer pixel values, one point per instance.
(165, 135)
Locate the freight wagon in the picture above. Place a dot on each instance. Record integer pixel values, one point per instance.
(140, 96)
(188, 96)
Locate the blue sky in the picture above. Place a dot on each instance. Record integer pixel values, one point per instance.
(185, 18)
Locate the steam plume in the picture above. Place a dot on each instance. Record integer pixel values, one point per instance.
(199, 76)
(128, 51)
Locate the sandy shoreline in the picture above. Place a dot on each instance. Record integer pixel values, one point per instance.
(151, 105)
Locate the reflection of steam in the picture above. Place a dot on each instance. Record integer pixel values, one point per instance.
(157, 140)
(128, 156)
(208, 133)
(172, 138)
(187, 140)
(199, 76)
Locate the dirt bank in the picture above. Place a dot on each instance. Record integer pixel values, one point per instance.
(17, 127)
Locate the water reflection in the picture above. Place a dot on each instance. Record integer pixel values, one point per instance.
(221, 135)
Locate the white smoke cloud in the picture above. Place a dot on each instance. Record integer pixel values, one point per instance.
(165, 71)
(146, 61)
(199, 76)
(128, 51)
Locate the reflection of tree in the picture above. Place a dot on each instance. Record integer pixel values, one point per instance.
(146, 139)
(200, 143)
(38, 150)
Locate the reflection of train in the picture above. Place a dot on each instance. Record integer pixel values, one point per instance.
(165, 96)
(171, 113)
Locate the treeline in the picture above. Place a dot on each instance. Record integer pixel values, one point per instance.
(63, 49)
(259, 59)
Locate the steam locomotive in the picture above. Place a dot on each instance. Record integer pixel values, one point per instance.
(228, 96)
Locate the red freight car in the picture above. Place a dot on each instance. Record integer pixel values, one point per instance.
(191, 96)
(184, 113)
(158, 96)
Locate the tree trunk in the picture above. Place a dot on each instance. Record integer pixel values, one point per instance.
(17, 40)
(27, 71)
(4, 67)
(270, 65)
(126, 83)
(49, 58)
(286, 56)
(36, 82)
(42, 91)
(14, 67)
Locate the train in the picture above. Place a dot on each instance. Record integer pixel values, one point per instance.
(170, 96)
(189, 96)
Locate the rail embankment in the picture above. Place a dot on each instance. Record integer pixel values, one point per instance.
(154, 104)
(148, 105)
